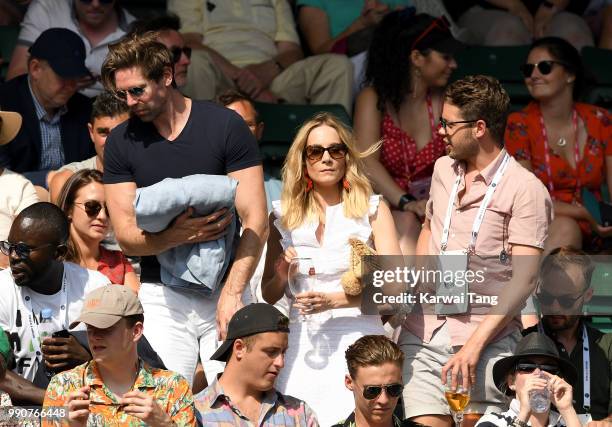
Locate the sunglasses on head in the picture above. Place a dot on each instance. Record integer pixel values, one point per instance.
(99, 1)
(22, 250)
(135, 92)
(92, 208)
(440, 23)
(336, 151)
(565, 301)
(544, 67)
(529, 367)
(178, 51)
(373, 391)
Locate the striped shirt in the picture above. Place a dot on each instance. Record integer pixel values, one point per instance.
(51, 149)
(505, 419)
(216, 409)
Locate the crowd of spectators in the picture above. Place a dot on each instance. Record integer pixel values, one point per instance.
(132, 187)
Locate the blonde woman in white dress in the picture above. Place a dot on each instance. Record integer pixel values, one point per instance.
(326, 200)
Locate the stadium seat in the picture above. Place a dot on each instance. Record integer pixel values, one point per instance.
(598, 64)
(500, 62)
(282, 122)
(8, 39)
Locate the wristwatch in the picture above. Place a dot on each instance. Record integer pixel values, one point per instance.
(518, 423)
(405, 199)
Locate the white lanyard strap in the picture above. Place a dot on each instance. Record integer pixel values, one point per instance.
(33, 325)
(586, 367)
(586, 371)
(481, 211)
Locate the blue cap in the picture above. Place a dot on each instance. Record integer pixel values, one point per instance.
(63, 50)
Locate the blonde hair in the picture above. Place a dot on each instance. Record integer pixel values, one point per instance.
(298, 205)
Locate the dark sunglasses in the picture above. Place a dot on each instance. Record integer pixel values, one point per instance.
(544, 67)
(100, 1)
(336, 151)
(445, 124)
(92, 208)
(440, 23)
(135, 92)
(564, 301)
(529, 367)
(373, 391)
(22, 250)
(178, 51)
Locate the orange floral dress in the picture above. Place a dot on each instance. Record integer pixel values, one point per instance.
(525, 141)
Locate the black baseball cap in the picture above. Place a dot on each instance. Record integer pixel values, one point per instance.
(250, 320)
(63, 50)
(437, 36)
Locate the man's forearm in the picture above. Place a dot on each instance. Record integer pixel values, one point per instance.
(510, 300)
(247, 256)
(21, 390)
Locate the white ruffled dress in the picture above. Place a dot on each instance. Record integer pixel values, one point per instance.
(317, 377)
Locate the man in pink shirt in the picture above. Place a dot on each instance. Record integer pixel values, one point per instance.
(492, 214)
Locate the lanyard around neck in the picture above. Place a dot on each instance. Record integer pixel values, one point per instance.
(33, 325)
(586, 366)
(551, 185)
(481, 211)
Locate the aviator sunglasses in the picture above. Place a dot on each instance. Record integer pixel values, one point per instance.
(544, 67)
(178, 51)
(564, 301)
(22, 250)
(92, 208)
(336, 151)
(373, 391)
(135, 92)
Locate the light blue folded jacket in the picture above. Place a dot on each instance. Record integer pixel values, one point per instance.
(199, 266)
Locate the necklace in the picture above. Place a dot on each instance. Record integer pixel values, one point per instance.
(562, 142)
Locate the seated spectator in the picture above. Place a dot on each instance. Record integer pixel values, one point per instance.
(117, 387)
(38, 279)
(243, 105)
(519, 22)
(535, 365)
(565, 143)
(409, 62)
(17, 192)
(244, 393)
(54, 131)
(564, 288)
(82, 200)
(343, 26)
(375, 378)
(255, 48)
(168, 26)
(5, 353)
(98, 24)
(107, 112)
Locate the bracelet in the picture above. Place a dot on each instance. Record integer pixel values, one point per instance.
(518, 423)
(404, 200)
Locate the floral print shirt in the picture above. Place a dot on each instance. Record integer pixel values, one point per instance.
(170, 390)
(524, 141)
(217, 409)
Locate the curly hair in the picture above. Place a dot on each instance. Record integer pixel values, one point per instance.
(388, 65)
(299, 205)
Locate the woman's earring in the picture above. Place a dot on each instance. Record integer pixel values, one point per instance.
(346, 184)
(309, 184)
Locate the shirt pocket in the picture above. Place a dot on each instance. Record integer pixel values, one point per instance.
(264, 16)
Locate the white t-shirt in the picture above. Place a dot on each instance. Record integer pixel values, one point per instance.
(14, 313)
(16, 193)
(45, 14)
